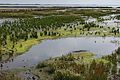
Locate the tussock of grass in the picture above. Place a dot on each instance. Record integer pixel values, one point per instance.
(70, 66)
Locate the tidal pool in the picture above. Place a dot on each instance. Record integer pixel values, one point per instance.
(54, 48)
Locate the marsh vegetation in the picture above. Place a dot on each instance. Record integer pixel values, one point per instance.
(30, 26)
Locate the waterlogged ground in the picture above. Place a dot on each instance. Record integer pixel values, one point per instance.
(100, 46)
(52, 48)
(106, 21)
(6, 19)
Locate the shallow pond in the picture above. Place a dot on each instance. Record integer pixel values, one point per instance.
(6, 19)
(53, 48)
(109, 21)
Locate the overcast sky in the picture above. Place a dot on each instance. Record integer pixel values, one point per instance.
(99, 2)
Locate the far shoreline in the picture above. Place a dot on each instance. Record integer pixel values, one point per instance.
(61, 6)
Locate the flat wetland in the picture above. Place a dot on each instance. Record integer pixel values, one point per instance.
(60, 44)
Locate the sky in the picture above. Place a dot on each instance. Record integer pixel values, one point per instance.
(98, 2)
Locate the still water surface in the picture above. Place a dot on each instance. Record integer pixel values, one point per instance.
(54, 48)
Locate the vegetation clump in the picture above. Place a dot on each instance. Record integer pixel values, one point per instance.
(8, 76)
(78, 66)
